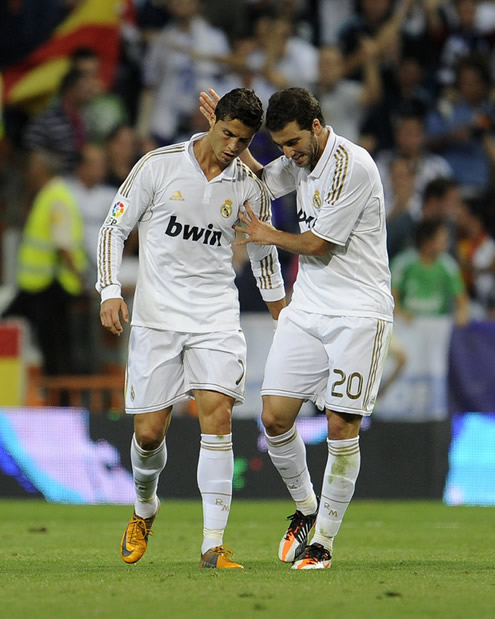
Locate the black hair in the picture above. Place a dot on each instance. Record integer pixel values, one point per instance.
(438, 187)
(241, 104)
(83, 53)
(293, 104)
(427, 229)
(477, 62)
(70, 79)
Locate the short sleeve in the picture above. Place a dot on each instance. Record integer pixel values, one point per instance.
(280, 177)
(343, 205)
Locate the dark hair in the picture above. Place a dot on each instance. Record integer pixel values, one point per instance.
(83, 53)
(477, 62)
(241, 104)
(438, 187)
(70, 79)
(293, 104)
(427, 229)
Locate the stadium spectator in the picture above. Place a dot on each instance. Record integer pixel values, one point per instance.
(400, 223)
(426, 280)
(106, 110)
(51, 263)
(426, 166)
(61, 127)
(185, 339)
(339, 320)
(280, 57)
(404, 94)
(344, 102)
(122, 151)
(379, 20)
(476, 255)
(441, 200)
(461, 129)
(332, 15)
(461, 36)
(93, 197)
(177, 66)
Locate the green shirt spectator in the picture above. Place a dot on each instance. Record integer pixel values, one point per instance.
(426, 281)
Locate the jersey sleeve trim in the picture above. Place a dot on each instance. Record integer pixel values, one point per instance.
(327, 238)
(339, 176)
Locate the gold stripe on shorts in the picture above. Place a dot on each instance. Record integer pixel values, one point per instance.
(375, 361)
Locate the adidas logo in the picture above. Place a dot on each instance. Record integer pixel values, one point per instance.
(177, 196)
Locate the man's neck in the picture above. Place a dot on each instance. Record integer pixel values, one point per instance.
(206, 159)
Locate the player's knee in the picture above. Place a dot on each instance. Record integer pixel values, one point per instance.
(343, 426)
(274, 423)
(149, 438)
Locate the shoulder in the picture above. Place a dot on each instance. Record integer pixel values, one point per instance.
(403, 260)
(158, 156)
(449, 263)
(244, 174)
(360, 163)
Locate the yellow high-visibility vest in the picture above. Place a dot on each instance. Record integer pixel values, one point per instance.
(39, 264)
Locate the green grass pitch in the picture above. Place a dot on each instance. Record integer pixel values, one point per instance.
(391, 560)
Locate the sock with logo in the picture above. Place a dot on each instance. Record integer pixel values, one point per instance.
(288, 454)
(146, 469)
(342, 469)
(215, 473)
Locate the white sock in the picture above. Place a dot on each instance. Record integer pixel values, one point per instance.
(339, 480)
(146, 469)
(288, 454)
(215, 472)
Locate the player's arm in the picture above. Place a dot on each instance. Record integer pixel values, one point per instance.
(264, 260)
(127, 207)
(461, 315)
(208, 103)
(275, 307)
(263, 233)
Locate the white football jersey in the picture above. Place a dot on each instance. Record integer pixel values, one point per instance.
(185, 278)
(341, 201)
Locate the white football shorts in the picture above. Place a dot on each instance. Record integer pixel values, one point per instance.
(164, 367)
(334, 361)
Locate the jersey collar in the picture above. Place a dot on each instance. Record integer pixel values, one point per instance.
(227, 174)
(317, 171)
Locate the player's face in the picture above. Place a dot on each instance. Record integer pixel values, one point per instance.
(298, 144)
(228, 139)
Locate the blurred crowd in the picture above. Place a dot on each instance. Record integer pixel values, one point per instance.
(412, 81)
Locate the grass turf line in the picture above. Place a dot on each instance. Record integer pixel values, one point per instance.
(392, 560)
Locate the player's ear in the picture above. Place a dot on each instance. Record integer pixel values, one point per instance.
(316, 126)
(213, 120)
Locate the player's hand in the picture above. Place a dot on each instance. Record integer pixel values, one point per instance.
(208, 103)
(110, 312)
(257, 231)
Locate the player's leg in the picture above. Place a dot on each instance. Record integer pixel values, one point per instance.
(215, 474)
(154, 382)
(339, 480)
(353, 384)
(296, 370)
(215, 370)
(148, 459)
(288, 454)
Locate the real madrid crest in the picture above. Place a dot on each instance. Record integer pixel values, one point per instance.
(317, 199)
(226, 208)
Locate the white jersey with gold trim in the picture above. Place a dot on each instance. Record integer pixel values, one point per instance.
(341, 201)
(185, 278)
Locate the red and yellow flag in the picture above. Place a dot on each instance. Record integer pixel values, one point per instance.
(94, 24)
